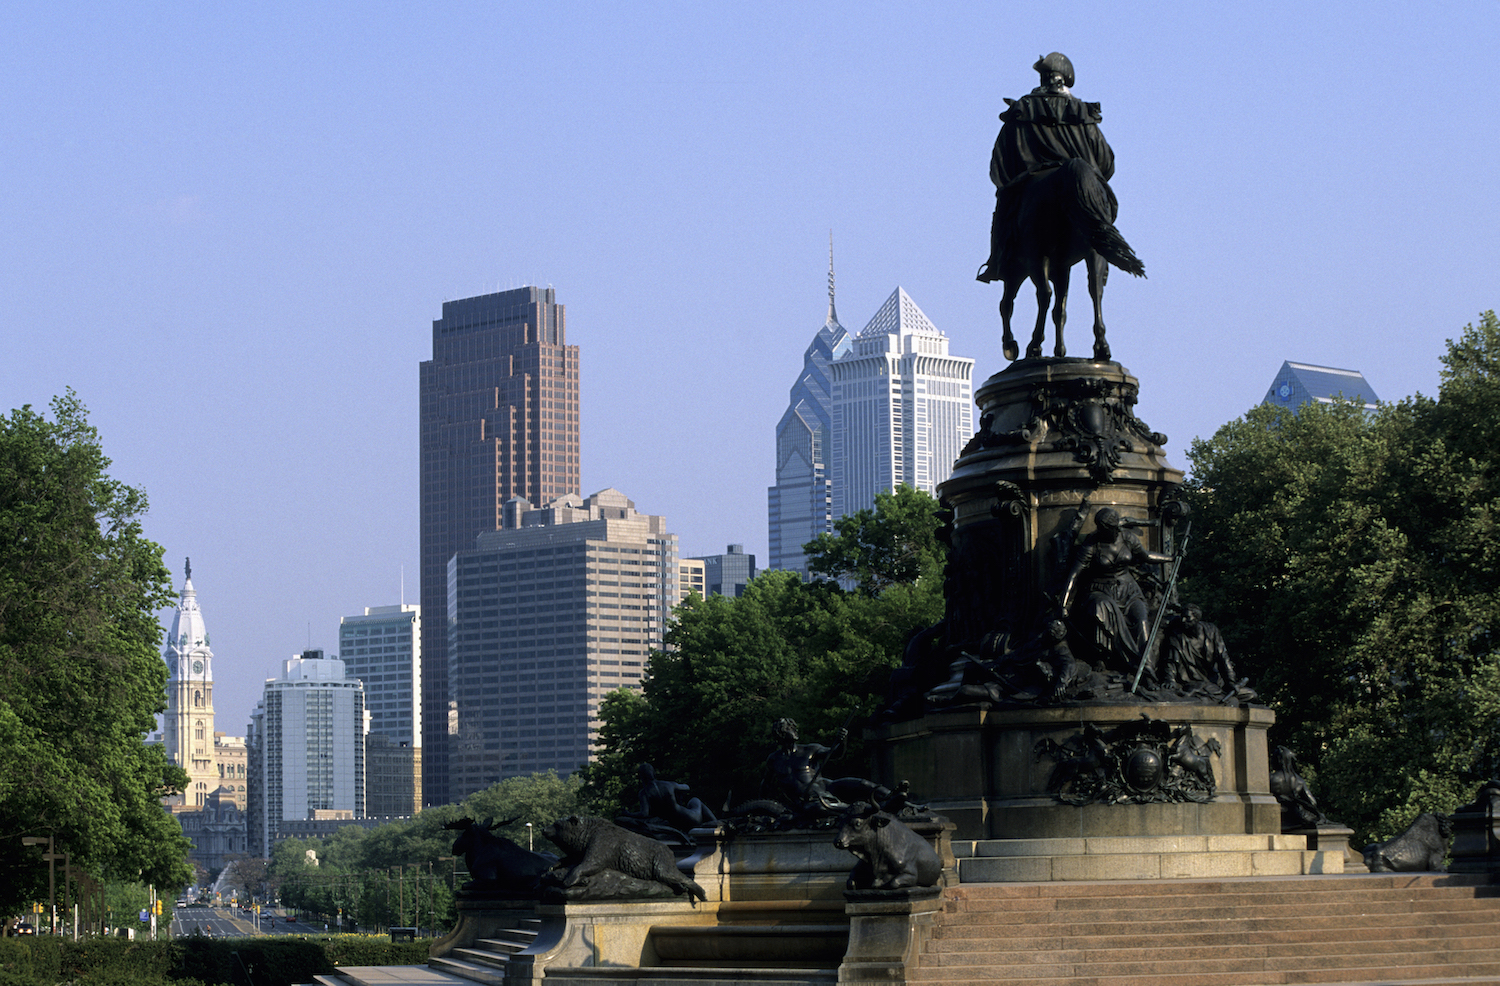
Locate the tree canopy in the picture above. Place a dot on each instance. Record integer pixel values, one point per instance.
(80, 676)
(812, 651)
(892, 543)
(356, 868)
(1351, 560)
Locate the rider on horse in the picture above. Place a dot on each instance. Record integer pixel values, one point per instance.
(1050, 146)
(1042, 130)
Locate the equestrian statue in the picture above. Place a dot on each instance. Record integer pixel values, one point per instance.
(1053, 205)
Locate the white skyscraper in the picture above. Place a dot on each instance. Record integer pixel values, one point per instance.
(307, 739)
(902, 407)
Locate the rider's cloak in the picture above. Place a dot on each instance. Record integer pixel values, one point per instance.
(1038, 132)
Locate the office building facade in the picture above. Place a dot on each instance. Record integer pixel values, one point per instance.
(902, 407)
(383, 649)
(546, 617)
(690, 578)
(499, 420)
(307, 742)
(729, 573)
(800, 505)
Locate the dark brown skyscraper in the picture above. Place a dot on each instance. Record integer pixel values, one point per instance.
(499, 407)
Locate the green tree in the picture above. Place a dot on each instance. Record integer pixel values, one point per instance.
(811, 651)
(380, 875)
(1351, 560)
(80, 677)
(893, 543)
(536, 798)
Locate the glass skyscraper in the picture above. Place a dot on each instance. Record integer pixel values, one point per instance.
(800, 505)
(383, 649)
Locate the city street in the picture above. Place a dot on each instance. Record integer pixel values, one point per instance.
(227, 922)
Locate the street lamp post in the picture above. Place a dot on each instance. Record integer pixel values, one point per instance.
(530, 838)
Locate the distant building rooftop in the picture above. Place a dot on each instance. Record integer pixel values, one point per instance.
(1298, 383)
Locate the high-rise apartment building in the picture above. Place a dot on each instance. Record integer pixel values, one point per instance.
(383, 649)
(902, 407)
(800, 505)
(307, 746)
(499, 420)
(545, 617)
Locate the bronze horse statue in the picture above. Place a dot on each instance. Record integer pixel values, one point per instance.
(1066, 215)
(1053, 206)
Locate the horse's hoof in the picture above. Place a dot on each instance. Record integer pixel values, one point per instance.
(1101, 352)
(1033, 352)
(1012, 350)
(1060, 351)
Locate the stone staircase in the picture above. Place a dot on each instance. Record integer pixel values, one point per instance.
(1257, 931)
(485, 962)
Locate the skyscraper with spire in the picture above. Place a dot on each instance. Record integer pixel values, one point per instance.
(499, 420)
(800, 505)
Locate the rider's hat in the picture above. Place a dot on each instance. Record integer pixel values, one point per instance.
(1056, 62)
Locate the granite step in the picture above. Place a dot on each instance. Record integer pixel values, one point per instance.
(1147, 888)
(1296, 931)
(510, 939)
(1308, 941)
(479, 973)
(689, 976)
(495, 959)
(1477, 949)
(1238, 979)
(1417, 912)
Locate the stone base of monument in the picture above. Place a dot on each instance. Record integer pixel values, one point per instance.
(1476, 834)
(1333, 838)
(608, 933)
(1183, 857)
(800, 865)
(887, 934)
(1001, 793)
(776, 911)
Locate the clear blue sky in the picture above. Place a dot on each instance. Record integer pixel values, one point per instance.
(230, 226)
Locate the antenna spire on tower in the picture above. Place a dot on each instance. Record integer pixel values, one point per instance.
(832, 314)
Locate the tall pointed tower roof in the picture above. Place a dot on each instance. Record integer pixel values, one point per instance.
(188, 637)
(898, 316)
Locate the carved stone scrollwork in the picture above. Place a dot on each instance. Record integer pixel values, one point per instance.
(1092, 418)
(1009, 500)
(1142, 762)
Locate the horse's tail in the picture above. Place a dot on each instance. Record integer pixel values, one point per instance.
(1095, 210)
